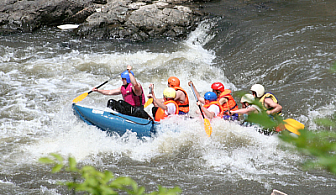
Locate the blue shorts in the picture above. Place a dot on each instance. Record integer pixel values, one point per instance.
(182, 113)
(234, 117)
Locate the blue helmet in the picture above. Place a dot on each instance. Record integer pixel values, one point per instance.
(211, 96)
(126, 76)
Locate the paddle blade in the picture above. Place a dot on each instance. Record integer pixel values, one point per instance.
(293, 126)
(149, 101)
(207, 127)
(80, 98)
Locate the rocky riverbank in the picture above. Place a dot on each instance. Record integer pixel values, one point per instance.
(103, 19)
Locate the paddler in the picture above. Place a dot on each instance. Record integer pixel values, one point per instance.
(132, 93)
(247, 107)
(166, 108)
(181, 98)
(268, 100)
(211, 107)
(224, 97)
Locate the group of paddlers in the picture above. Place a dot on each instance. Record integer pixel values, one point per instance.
(216, 103)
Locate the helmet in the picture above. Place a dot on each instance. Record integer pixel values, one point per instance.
(211, 96)
(169, 92)
(174, 81)
(249, 98)
(259, 89)
(217, 86)
(125, 75)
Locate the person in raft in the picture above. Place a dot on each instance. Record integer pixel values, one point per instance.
(181, 98)
(211, 107)
(167, 107)
(132, 93)
(247, 107)
(224, 97)
(268, 100)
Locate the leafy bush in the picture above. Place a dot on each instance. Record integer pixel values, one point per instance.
(100, 183)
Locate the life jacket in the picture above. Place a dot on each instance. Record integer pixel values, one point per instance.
(230, 105)
(161, 114)
(216, 103)
(185, 106)
(130, 97)
(269, 95)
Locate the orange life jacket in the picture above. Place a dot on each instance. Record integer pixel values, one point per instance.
(230, 105)
(216, 103)
(185, 106)
(160, 113)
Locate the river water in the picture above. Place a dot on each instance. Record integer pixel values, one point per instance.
(288, 46)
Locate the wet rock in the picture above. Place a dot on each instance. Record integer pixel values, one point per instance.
(102, 19)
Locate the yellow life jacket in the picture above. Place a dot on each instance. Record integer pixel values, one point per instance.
(268, 95)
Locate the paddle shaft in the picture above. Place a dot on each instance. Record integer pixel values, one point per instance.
(199, 106)
(82, 96)
(207, 126)
(101, 85)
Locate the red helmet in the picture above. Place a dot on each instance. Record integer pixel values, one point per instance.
(217, 86)
(174, 82)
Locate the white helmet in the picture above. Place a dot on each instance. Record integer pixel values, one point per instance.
(259, 89)
(249, 98)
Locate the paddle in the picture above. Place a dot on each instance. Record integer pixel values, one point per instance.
(150, 100)
(207, 125)
(82, 96)
(293, 126)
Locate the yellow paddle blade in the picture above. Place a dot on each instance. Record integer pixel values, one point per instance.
(149, 101)
(207, 127)
(80, 98)
(293, 125)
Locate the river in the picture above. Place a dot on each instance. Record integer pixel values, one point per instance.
(288, 46)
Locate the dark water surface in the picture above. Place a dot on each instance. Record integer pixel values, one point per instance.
(288, 46)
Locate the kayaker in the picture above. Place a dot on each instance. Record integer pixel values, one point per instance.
(133, 96)
(181, 98)
(211, 107)
(224, 97)
(268, 100)
(161, 110)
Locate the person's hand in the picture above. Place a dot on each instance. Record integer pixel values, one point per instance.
(129, 68)
(198, 103)
(151, 85)
(94, 89)
(150, 96)
(190, 83)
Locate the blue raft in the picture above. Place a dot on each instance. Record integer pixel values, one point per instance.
(111, 121)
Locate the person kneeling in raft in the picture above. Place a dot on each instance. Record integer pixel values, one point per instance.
(212, 107)
(166, 108)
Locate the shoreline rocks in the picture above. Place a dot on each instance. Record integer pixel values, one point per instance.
(103, 19)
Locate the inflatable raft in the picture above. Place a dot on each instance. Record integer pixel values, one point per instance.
(112, 121)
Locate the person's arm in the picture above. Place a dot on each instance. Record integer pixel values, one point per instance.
(196, 92)
(180, 96)
(223, 100)
(207, 113)
(159, 103)
(244, 110)
(136, 86)
(156, 101)
(276, 107)
(108, 92)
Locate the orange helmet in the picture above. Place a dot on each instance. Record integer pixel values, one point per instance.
(217, 86)
(174, 82)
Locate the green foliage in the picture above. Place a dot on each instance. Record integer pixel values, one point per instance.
(321, 146)
(333, 68)
(100, 183)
